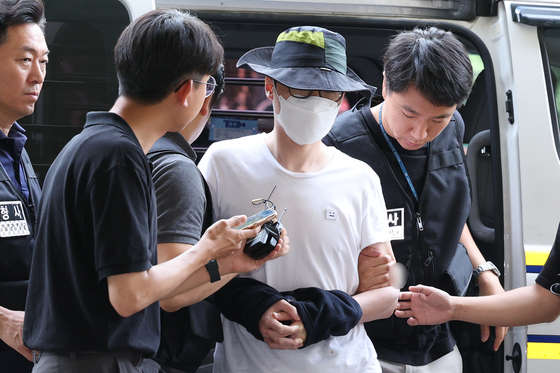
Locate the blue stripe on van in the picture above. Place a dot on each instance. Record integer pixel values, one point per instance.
(543, 338)
(533, 269)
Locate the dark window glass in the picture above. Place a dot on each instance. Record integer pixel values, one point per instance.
(552, 50)
(81, 77)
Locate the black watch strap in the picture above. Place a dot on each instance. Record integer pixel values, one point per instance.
(212, 268)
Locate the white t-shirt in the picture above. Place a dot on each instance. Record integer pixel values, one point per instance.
(331, 216)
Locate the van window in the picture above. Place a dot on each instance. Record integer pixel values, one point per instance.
(244, 90)
(477, 65)
(550, 41)
(80, 77)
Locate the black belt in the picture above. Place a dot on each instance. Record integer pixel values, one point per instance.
(133, 356)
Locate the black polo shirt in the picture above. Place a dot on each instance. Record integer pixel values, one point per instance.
(97, 218)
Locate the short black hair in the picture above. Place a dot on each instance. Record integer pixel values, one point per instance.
(219, 75)
(434, 60)
(19, 12)
(162, 48)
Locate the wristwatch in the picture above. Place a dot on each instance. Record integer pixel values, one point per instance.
(212, 268)
(488, 266)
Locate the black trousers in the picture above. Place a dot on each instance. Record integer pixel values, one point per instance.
(12, 361)
(88, 362)
(150, 366)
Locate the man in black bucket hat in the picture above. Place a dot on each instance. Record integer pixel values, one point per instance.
(309, 58)
(335, 215)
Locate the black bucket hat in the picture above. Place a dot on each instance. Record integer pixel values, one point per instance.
(309, 58)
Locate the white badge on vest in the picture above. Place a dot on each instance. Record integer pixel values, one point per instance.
(12, 219)
(396, 223)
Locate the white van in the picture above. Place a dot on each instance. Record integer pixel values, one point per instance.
(512, 136)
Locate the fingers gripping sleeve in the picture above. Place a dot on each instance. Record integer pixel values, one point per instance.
(324, 313)
(245, 300)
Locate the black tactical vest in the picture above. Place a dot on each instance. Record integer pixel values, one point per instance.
(17, 237)
(430, 229)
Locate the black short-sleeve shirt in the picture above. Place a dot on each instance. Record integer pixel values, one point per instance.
(97, 219)
(550, 273)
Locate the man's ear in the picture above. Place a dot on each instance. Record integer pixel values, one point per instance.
(205, 106)
(184, 92)
(268, 85)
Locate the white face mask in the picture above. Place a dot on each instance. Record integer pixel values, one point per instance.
(306, 120)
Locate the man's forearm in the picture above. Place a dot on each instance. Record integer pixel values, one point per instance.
(378, 303)
(194, 295)
(132, 292)
(6, 323)
(11, 331)
(521, 306)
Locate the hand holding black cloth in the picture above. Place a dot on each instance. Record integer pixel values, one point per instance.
(324, 313)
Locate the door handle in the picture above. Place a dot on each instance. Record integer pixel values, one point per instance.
(515, 358)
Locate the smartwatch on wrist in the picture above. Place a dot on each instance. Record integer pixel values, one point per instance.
(212, 268)
(488, 266)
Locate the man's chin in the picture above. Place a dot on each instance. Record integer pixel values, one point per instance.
(30, 108)
(27, 111)
(411, 146)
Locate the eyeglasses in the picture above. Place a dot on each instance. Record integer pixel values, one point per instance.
(301, 93)
(210, 85)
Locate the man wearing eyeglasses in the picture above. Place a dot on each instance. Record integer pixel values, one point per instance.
(188, 331)
(95, 281)
(210, 85)
(335, 212)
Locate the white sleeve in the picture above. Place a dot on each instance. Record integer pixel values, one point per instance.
(375, 227)
(208, 170)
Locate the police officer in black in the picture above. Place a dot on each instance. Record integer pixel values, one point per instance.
(95, 284)
(23, 60)
(413, 140)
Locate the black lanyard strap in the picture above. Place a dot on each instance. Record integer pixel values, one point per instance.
(397, 156)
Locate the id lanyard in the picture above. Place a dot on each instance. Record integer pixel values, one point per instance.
(397, 156)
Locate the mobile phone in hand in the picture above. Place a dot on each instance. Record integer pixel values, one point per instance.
(258, 219)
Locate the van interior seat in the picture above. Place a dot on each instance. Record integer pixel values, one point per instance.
(476, 112)
(476, 115)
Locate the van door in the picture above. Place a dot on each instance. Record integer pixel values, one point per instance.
(535, 56)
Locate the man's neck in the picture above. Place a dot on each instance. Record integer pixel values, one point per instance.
(298, 158)
(6, 126)
(148, 122)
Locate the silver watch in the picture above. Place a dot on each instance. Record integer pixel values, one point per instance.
(488, 266)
